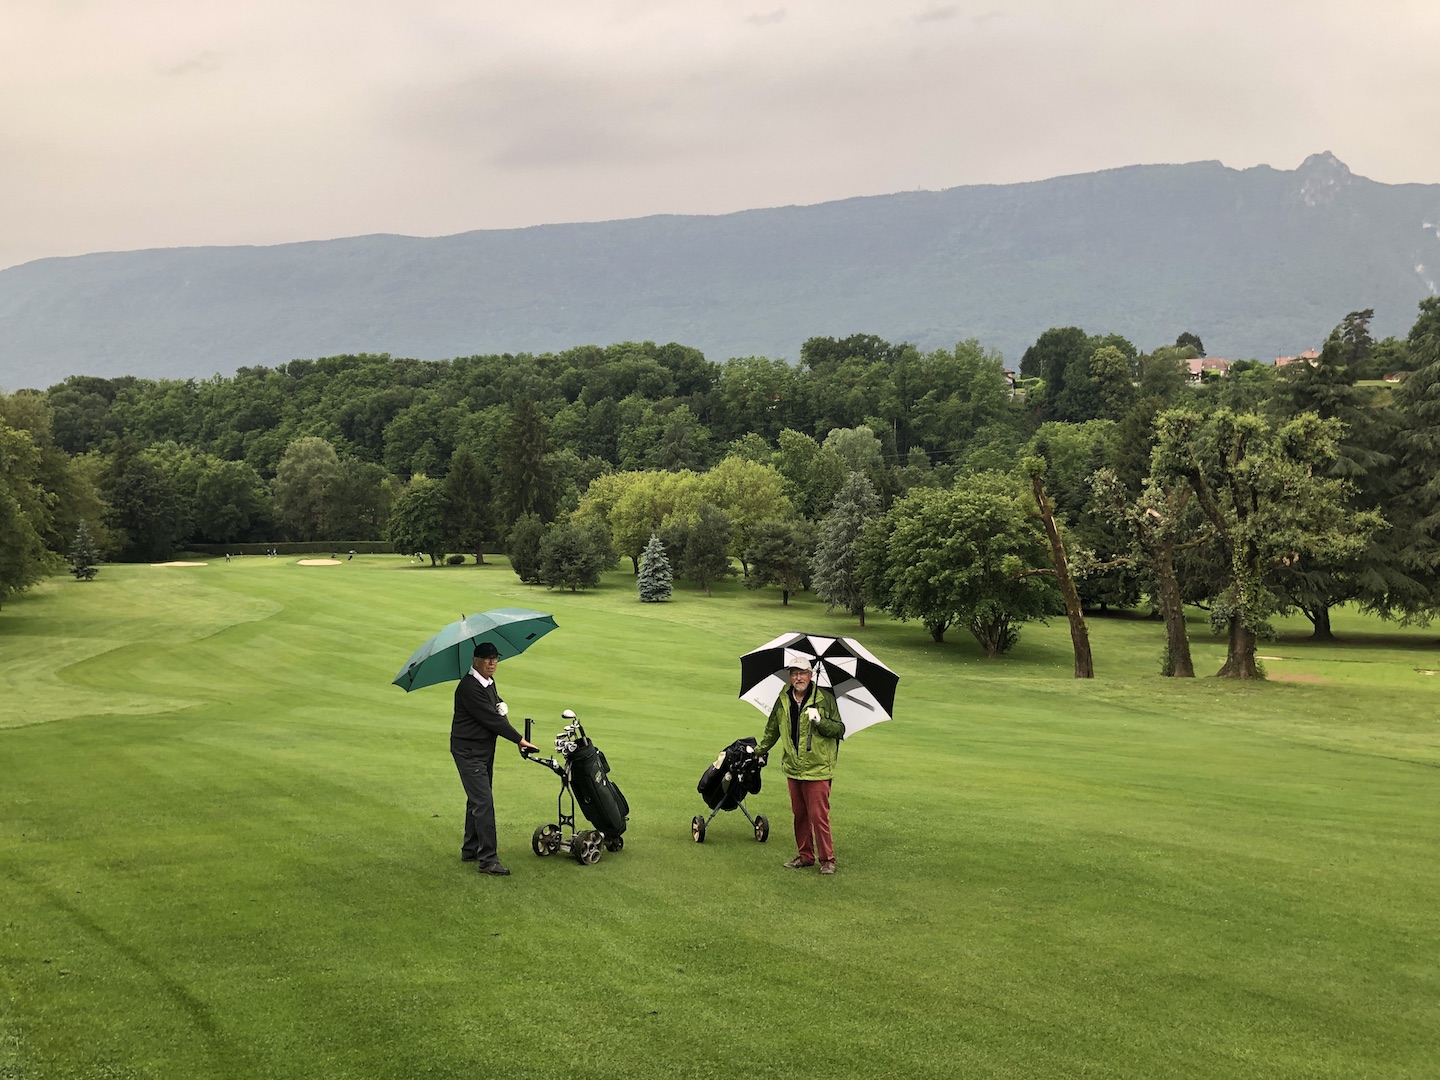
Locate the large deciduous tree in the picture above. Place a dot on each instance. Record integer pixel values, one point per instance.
(148, 512)
(968, 555)
(705, 558)
(813, 474)
(1156, 520)
(24, 514)
(1263, 490)
(573, 556)
(417, 520)
(638, 504)
(72, 495)
(358, 501)
(750, 493)
(779, 553)
(302, 482)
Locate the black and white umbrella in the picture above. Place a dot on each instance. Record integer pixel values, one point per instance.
(864, 688)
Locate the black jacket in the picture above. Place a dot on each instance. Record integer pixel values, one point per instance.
(477, 721)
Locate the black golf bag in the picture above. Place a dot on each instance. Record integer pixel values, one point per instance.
(584, 778)
(732, 776)
(600, 798)
(726, 782)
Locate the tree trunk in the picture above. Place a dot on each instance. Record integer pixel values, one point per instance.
(1240, 658)
(1079, 635)
(862, 618)
(635, 562)
(784, 597)
(1320, 618)
(1172, 608)
(479, 558)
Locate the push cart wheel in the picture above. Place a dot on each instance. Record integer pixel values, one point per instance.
(762, 828)
(588, 846)
(614, 843)
(546, 840)
(697, 829)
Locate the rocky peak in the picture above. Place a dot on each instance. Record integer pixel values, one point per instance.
(1322, 177)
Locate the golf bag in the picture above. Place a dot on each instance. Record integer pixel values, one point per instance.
(600, 798)
(732, 776)
(724, 785)
(585, 779)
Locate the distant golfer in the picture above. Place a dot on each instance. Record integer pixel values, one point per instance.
(812, 732)
(480, 717)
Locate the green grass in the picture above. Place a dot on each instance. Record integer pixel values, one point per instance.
(230, 848)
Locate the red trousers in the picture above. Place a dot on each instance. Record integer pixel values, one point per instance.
(810, 803)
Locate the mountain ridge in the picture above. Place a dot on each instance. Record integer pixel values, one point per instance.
(1259, 262)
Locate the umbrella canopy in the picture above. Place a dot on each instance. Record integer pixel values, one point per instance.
(447, 656)
(864, 688)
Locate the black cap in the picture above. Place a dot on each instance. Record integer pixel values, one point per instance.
(485, 650)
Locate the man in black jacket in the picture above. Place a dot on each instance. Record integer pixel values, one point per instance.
(480, 717)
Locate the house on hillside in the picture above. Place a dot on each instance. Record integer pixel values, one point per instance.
(1203, 368)
(1309, 356)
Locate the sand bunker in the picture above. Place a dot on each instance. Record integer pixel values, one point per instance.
(319, 562)
(179, 564)
(1297, 676)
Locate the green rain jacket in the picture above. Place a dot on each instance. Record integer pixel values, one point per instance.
(821, 729)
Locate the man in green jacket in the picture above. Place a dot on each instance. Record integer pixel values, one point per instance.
(812, 730)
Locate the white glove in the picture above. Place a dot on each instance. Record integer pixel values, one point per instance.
(814, 714)
(503, 709)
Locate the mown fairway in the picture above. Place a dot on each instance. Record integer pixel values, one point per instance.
(230, 848)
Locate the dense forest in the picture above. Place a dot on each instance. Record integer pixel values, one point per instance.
(933, 485)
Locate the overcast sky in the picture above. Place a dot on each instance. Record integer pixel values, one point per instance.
(127, 124)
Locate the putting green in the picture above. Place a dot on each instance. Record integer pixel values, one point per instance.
(231, 848)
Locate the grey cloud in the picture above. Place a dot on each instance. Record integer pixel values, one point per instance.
(535, 122)
(940, 14)
(199, 64)
(770, 18)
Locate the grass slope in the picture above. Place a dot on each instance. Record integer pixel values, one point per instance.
(230, 849)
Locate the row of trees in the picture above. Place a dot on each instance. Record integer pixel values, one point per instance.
(1277, 491)
(628, 406)
(1109, 454)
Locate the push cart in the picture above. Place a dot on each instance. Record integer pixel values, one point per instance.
(726, 782)
(584, 778)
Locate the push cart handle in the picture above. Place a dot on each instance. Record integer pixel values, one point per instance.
(524, 752)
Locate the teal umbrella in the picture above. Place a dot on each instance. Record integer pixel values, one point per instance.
(447, 656)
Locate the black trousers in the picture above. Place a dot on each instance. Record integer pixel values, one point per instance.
(476, 770)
